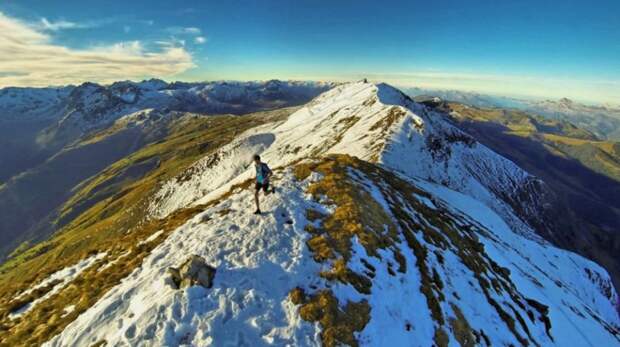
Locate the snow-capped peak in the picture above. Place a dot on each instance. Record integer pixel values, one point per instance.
(377, 122)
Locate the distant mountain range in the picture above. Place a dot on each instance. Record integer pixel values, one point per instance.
(603, 120)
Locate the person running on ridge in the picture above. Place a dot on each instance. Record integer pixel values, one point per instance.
(263, 173)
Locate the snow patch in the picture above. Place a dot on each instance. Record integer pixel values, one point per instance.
(60, 278)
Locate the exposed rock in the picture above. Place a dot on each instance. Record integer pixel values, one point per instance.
(430, 101)
(194, 271)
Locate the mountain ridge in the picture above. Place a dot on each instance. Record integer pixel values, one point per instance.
(580, 169)
(367, 222)
(602, 120)
(83, 129)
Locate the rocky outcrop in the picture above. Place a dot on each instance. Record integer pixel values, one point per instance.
(194, 271)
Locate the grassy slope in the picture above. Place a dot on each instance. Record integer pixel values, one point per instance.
(108, 215)
(582, 170)
(561, 137)
(28, 201)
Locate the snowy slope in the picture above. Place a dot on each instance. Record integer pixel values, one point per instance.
(57, 281)
(34, 103)
(260, 259)
(91, 105)
(453, 265)
(379, 123)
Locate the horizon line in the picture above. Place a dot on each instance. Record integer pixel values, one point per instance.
(515, 96)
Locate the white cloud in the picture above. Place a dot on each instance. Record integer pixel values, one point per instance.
(192, 31)
(29, 58)
(200, 39)
(55, 26)
(184, 31)
(46, 25)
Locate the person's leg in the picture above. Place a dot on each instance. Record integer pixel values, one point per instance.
(266, 188)
(256, 191)
(256, 199)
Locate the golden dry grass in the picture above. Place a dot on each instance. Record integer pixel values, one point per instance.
(339, 323)
(357, 215)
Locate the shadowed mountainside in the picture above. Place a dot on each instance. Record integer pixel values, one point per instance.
(31, 202)
(581, 170)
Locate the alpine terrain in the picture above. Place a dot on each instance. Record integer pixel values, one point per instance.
(390, 225)
(601, 120)
(581, 172)
(52, 139)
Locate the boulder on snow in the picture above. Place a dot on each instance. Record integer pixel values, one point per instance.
(194, 271)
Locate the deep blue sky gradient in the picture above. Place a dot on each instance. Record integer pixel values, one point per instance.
(559, 40)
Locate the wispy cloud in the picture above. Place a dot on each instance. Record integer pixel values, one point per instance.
(59, 25)
(184, 31)
(29, 58)
(186, 34)
(47, 25)
(192, 31)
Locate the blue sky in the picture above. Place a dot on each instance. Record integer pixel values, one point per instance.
(521, 48)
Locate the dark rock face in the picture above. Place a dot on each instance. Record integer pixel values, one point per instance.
(536, 205)
(429, 101)
(194, 271)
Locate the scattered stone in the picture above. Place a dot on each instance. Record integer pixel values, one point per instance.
(194, 271)
(297, 296)
(408, 326)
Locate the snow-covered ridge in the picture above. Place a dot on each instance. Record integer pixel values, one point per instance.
(126, 97)
(210, 173)
(97, 104)
(379, 123)
(260, 259)
(37, 103)
(460, 210)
